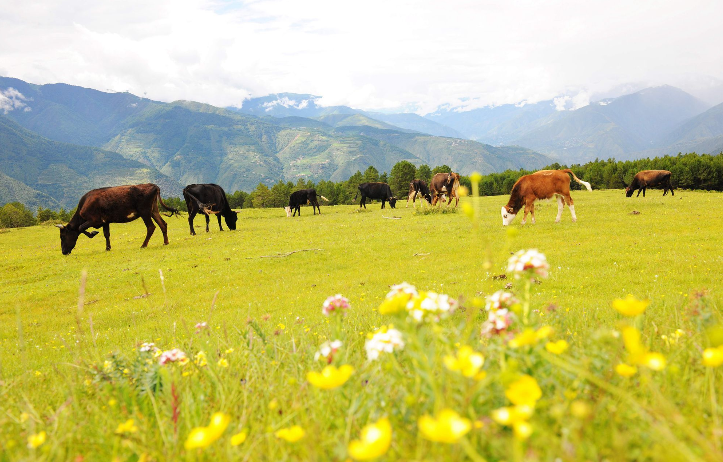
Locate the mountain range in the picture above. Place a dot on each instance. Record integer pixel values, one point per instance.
(76, 139)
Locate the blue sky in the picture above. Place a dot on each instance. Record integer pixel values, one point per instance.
(371, 54)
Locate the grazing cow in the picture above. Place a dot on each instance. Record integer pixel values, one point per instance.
(302, 197)
(646, 178)
(208, 199)
(380, 191)
(119, 204)
(541, 185)
(445, 183)
(418, 187)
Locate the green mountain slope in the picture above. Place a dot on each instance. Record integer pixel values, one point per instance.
(73, 114)
(416, 123)
(617, 129)
(65, 171)
(464, 156)
(12, 190)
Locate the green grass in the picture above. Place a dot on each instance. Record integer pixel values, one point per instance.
(50, 353)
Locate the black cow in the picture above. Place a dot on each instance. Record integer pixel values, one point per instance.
(302, 197)
(418, 187)
(646, 178)
(119, 204)
(208, 199)
(380, 191)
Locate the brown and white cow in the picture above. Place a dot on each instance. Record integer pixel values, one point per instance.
(541, 185)
(445, 183)
(418, 187)
(646, 178)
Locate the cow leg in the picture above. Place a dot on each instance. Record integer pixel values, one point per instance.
(106, 233)
(207, 222)
(571, 205)
(670, 186)
(639, 191)
(560, 206)
(82, 228)
(524, 217)
(532, 212)
(383, 203)
(644, 190)
(150, 228)
(218, 215)
(191, 216)
(161, 224)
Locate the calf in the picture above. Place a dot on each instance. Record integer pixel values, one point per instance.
(208, 199)
(646, 178)
(302, 197)
(380, 191)
(541, 185)
(418, 187)
(445, 183)
(119, 204)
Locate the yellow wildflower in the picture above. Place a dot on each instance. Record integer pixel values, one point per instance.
(511, 415)
(112, 402)
(129, 426)
(394, 304)
(330, 377)
(558, 347)
(713, 357)
(522, 430)
(630, 306)
(527, 337)
(475, 177)
(467, 362)
(238, 438)
(291, 434)
(24, 416)
(201, 437)
(374, 442)
(626, 370)
(273, 404)
(544, 332)
(36, 440)
(222, 362)
(524, 391)
(201, 359)
(448, 427)
(654, 361)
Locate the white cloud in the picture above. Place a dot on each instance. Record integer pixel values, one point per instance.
(11, 99)
(561, 103)
(371, 54)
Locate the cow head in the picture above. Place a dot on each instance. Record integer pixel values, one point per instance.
(68, 239)
(629, 191)
(231, 219)
(288, 211)
(428, 197)
(507, 216)
(392, 202)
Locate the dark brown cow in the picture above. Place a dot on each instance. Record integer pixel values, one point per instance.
(119, 204)
(208, 199)
(418, 187)
(445, 183)
(646, 178)
(541, 185)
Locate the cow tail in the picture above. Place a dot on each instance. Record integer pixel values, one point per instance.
(167, 207)
(584, 183)
(324, 198)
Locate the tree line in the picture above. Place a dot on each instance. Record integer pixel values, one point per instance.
(689, 171)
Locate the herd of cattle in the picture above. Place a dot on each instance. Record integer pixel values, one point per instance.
(121, 204)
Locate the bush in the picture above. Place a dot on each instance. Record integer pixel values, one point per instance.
(15, 215)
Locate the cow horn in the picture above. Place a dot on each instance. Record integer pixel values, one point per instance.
(60, 226)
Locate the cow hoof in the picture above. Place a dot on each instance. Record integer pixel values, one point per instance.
(107, 249)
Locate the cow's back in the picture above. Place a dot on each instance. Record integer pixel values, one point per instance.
(118, 204)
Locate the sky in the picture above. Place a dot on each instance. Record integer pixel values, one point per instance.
(372, 54)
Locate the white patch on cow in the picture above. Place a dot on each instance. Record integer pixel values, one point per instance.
(288, 211)
(131, 215)
(560, 206)
(572, 211)
(507, 217)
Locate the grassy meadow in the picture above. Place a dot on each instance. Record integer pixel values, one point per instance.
(72, 373)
